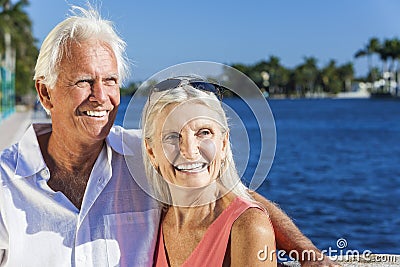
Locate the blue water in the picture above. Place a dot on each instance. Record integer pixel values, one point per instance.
(336, 170)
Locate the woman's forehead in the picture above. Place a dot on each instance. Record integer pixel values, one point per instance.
(179, 115)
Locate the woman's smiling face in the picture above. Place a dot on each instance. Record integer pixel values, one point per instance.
(188, 145)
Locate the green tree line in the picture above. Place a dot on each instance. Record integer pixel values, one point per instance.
(388, 52)
(269, 75)
(272, 77)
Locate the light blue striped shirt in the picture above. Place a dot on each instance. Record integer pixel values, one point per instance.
(116, 226)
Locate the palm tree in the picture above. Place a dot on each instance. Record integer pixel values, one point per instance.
(391, 47)
(270, 75)
(396, 57)
(346, 75)
(16, 22)
(389, 53)
(329, 78)
(306, 76)
(371, 48)
(385, 54)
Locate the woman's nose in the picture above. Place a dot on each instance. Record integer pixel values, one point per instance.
(189, 147)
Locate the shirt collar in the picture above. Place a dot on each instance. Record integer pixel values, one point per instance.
(125, 142)
(30, 159)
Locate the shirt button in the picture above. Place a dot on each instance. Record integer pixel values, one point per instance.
(45, 174)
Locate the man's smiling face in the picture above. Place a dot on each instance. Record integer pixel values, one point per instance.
(85, 99)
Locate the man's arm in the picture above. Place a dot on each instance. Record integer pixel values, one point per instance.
(288, 236)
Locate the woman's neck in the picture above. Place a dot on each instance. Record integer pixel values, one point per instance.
(196, 206)
(192, 197)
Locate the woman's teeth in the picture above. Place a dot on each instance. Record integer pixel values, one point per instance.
(190, 167)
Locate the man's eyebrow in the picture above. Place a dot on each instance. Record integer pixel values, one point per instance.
(84, 77)
(112, 75)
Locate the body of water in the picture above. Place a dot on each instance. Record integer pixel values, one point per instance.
(336, 170)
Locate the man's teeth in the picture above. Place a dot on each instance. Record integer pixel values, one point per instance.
(93, 113)
(190, 166)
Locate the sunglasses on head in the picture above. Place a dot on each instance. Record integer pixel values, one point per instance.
(173, 83)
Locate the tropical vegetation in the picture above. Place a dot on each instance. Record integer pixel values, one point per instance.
(308, 79)
(305, 79)
(387, 77)
(15, 22)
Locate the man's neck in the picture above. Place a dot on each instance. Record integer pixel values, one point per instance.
(71, 155)
(70, 164)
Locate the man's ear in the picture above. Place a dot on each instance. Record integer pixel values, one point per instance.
(44, 94)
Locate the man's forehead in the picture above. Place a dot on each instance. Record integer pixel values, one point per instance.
(86, 49)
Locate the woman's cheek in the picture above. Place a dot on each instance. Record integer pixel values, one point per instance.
(171, 152)
(208, 150)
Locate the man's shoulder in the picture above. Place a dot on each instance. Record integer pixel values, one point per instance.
(8, 160)
(24, 158)
(125, 141)
(119, 130)
(9, 153)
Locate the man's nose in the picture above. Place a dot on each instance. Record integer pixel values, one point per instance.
(98, 92)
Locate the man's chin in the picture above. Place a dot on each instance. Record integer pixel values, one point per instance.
(99, 133)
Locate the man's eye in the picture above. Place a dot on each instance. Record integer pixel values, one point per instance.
(110, 82)
(84, 83)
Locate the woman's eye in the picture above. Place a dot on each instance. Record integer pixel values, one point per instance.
(171, 138)
(204, 132)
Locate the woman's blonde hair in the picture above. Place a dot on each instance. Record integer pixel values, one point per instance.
(229, 177)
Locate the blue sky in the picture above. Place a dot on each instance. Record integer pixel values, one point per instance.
(163, 33)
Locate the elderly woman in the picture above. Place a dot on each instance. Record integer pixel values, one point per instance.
(209, 219)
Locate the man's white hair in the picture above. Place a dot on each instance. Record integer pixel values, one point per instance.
(81, 26)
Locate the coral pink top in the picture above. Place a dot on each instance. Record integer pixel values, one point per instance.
(212, 247)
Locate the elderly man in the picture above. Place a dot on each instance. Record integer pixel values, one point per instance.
(67, 196)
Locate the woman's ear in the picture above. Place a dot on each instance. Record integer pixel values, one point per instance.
(150, 153)
(225, 144)
(44, 94)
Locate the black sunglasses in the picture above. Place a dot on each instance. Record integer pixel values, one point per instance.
(173, 83)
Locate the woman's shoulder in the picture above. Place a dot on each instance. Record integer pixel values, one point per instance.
(251, 233)
(251, 216)
(253, 219)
